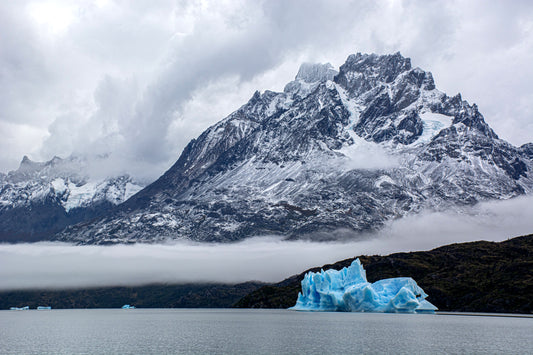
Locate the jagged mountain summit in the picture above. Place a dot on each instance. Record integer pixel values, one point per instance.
(334, 153)
(42, 198)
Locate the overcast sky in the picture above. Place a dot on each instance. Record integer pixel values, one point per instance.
(139, 79)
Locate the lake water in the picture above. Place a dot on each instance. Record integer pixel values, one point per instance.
(235, 331)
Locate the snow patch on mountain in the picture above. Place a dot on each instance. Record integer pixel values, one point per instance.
(92, 192)
(433, 124)
(383, 179)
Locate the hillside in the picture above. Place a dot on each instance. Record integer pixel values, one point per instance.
(151, 296)
(467, 277)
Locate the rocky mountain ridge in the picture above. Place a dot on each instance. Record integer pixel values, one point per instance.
(41, 198)
(334, 154)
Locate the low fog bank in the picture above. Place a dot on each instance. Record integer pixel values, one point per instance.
(269, 259)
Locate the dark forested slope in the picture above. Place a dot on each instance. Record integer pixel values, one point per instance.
(475, 277)
(151, 296)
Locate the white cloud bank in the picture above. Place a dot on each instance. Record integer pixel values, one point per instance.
(49, 265)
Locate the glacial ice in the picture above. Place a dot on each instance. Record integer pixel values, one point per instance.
(347, 290)
(433, 123)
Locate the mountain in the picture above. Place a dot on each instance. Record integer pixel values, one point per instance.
(336, 152)
(465, 277)
(41, 198)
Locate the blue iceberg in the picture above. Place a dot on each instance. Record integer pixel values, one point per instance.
(347, 290)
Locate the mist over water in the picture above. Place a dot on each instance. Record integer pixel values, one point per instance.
(269, 258)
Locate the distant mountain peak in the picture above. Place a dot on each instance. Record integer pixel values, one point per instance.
(313, 72)
(41, 198)
(383, 67)
(26, 161)
(309, 77)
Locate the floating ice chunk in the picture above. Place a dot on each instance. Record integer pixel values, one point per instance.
(348, 290)
(25, 308)
(426, 307)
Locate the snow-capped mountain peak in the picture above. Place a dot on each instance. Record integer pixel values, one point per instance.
(41, 198)
(309, 77)
(334, 152)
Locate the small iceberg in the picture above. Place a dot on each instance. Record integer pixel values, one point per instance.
(44, 308)
(127, 306)
(25, 308)
(347, 290)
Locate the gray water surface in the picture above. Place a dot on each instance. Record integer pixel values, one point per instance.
(235, 331)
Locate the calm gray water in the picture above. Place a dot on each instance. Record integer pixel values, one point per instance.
(229, 331)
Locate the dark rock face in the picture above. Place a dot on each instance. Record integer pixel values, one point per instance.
(40, 220)
(334, 153)
(363, 72)
(527, 150)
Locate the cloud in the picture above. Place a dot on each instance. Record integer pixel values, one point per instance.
(366, 155)
(140, 79)
(51, 265)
